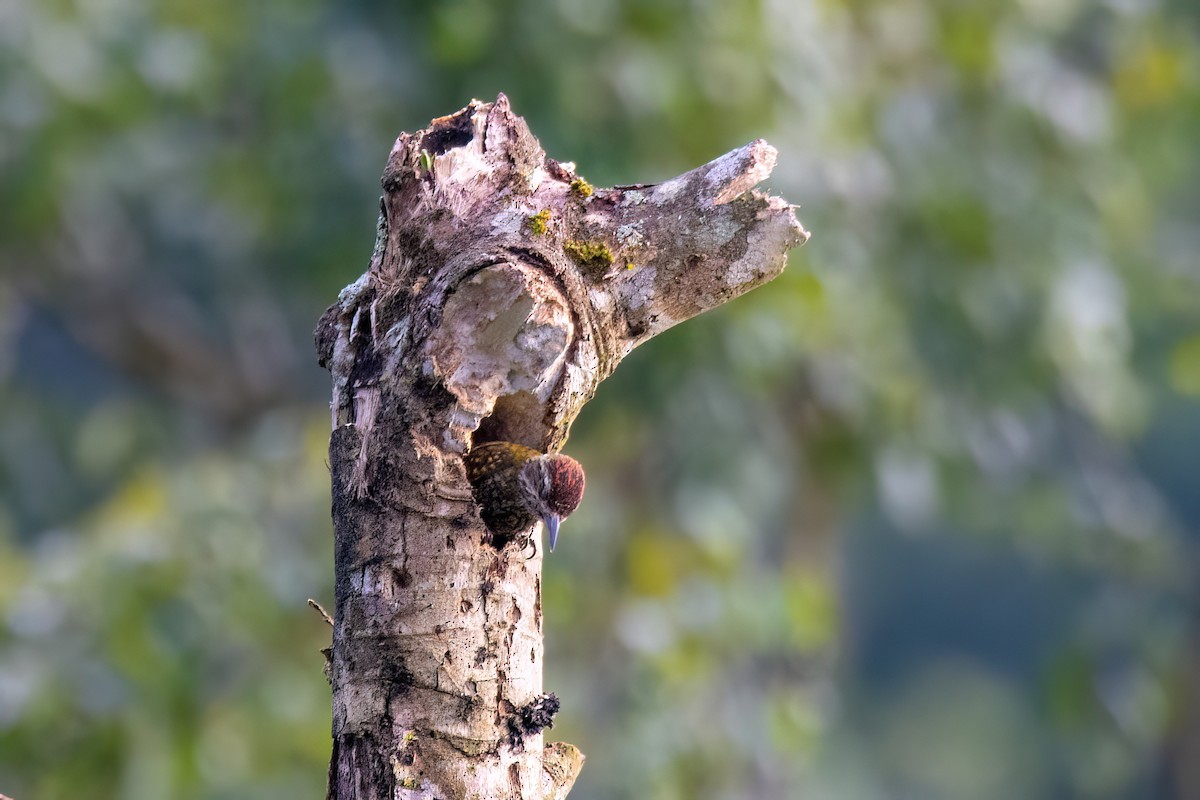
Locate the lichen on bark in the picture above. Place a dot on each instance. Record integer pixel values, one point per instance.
(473, 325)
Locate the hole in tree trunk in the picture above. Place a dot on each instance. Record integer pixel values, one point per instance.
(449, 132)
(516, 417)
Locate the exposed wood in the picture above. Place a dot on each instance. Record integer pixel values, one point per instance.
(502, 289)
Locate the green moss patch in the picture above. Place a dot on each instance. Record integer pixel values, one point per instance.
(594, 257)
(539, 222)
(582, 188)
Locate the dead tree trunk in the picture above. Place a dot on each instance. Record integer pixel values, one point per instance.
(502, 289)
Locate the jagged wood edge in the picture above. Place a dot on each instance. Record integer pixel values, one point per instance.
(607, 270)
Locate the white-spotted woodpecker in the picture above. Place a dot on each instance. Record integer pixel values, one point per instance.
(516, 486)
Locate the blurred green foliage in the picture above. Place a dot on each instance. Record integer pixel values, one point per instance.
(917, 520)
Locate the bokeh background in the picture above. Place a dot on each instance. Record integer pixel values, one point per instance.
(916, 520)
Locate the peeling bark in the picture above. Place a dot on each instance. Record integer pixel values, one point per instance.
(502, 289)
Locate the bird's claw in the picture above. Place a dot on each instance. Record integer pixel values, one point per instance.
(530, 542)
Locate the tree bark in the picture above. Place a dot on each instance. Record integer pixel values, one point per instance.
(502, 289)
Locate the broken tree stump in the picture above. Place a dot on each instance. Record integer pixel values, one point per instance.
(502, 289)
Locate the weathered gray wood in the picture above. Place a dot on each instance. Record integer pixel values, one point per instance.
(503, 288)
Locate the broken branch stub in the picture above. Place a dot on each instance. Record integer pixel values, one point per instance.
(502, 289)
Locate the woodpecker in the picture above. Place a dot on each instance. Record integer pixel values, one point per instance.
(516, 486)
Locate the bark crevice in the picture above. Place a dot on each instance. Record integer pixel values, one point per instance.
(501, 290)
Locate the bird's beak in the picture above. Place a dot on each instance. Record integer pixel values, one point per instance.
(552, 521)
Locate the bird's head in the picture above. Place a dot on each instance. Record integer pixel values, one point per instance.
(553, 486)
